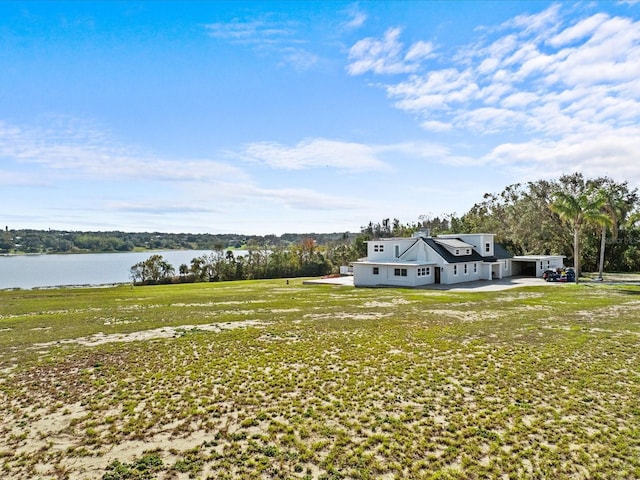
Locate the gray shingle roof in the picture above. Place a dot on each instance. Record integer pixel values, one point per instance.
(451, 258)
(500, 253)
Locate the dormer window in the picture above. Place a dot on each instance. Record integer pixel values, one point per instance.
(455, 246)
(378, 248)
(487, 247)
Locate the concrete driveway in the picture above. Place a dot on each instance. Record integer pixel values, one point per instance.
(492, 285)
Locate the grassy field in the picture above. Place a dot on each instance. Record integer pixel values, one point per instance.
(267, 380)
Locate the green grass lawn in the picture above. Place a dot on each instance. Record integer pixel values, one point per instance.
(320, 382)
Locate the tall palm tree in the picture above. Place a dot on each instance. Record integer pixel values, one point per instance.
(578, 210)
(616, 208)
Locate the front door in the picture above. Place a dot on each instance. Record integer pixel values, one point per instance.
(436, 274)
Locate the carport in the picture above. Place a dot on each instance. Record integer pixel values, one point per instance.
(535, 265)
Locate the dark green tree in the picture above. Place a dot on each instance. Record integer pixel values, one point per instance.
(578, 210)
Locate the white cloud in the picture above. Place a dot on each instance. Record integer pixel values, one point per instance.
(80, 150)
(565, 89)
(350, 157)
(357, 18)
(415, 149)
(385, 56)
(539, 23)
(157, 208)
(278, 38)
(490, 120)
(578, 31)
(519, 100)
(436, 126)
(436, 90)
(533, 75)
(307, 199)
(252, 32)
(378, 56)
(298, 58)
(189, 193)
(599, 152)
(420, 50)
(315, 153)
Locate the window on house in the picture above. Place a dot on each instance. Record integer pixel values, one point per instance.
(468, 251)
(376, 270)
(475, 268)
(423, 271)
(487, 247)
(457, 252)
(400, 272)
(455, 269)
(378, 248)
(465, 268)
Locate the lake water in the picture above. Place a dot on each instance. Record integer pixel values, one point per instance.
(31, 271)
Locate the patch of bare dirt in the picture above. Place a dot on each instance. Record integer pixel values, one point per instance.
(164, 332)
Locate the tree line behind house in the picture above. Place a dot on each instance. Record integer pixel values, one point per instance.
(597, 218)
(593, 220)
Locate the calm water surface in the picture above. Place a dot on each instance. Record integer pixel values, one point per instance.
(31, 271)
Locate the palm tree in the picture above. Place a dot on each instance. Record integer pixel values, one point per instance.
(616, 208)
(578, 210)
(184, 270)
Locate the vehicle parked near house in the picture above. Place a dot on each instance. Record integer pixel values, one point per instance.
(560, 275)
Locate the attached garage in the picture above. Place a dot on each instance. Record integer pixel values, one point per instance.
(535, 265)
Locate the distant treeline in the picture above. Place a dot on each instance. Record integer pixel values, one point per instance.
(60, 241)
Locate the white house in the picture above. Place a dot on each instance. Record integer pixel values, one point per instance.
(445, 259)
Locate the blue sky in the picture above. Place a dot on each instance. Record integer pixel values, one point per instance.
(274, 117)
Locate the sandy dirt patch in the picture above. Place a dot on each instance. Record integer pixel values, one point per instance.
(164, 332)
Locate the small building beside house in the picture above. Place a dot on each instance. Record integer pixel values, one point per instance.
(444, 259)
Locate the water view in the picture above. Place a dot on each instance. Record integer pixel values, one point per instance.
(33, 271)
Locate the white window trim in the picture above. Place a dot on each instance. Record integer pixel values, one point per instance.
(423, 271)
